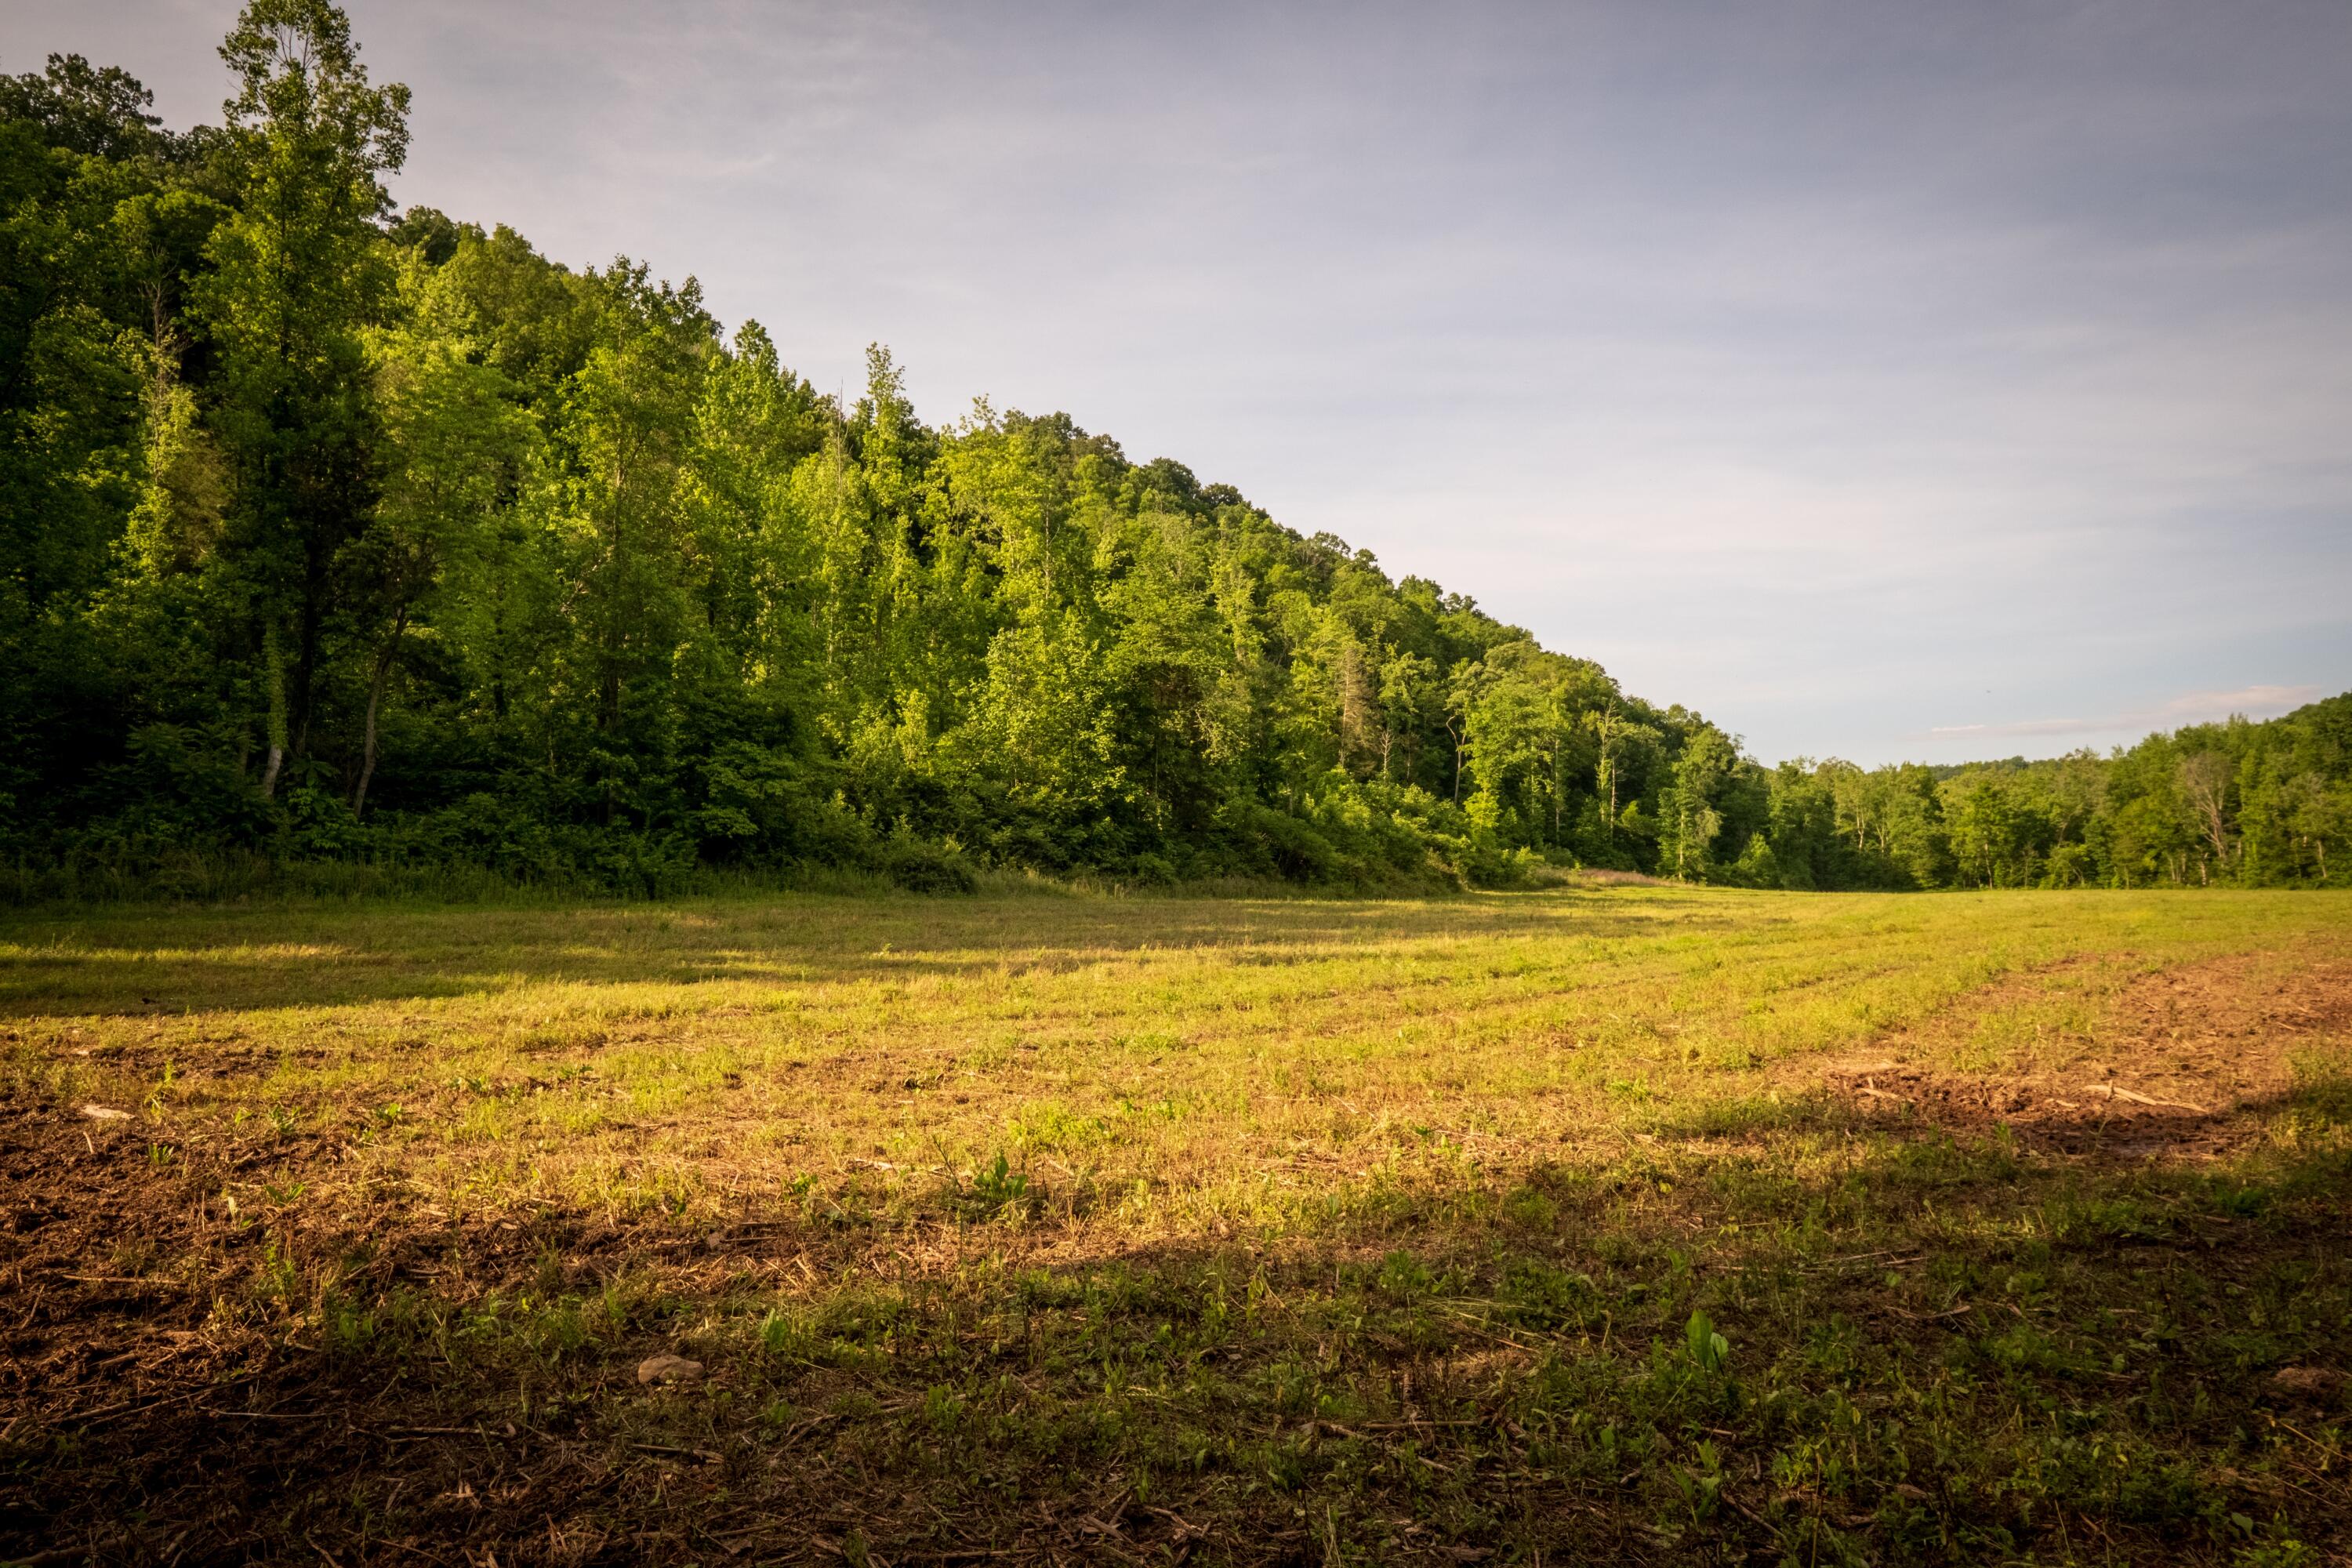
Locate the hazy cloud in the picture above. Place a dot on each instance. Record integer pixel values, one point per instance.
(2188, 708)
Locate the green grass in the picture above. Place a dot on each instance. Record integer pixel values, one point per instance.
(1514, 1229)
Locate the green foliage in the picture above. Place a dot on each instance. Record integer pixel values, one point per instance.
(923, 867)
(1709, 1351)
(329, 535)
(999, 1189)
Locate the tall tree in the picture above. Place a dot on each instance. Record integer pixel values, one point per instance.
(454, 440)
(299, 273)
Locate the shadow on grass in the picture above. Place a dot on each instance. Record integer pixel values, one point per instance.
(177, 962)
(1833, 1343)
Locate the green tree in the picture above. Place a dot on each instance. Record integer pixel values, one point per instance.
(454, 444)
(1688, 815)
(505, 563)
(1616, 738)
(298, 274)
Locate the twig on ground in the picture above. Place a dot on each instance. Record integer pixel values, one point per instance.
(2113, 1092)
(132, 1407)
(705, 1456)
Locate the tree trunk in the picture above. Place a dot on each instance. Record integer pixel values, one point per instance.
(274, 671)
(1556, 792)
(309, 629)
(384, 659)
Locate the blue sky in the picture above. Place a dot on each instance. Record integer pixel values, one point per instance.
(1883, 381)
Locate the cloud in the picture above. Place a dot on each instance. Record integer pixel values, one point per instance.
(2253, 702)
(2188, 708)
(2034, 727)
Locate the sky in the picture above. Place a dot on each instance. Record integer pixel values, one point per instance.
(1887, 380)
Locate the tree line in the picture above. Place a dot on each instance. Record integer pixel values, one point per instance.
(333, 532)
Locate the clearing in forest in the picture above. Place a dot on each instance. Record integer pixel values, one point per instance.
(1666, 1225)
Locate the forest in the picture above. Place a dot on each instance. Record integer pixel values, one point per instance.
(333, 533)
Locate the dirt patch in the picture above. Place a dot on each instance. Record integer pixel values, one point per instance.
(2046, 1114)
(2178, 1062)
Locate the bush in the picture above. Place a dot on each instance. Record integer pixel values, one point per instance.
(920, 867)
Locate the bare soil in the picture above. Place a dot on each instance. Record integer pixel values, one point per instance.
(2187, 1062)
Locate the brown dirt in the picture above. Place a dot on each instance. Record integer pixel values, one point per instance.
(192, 1430)
(1602, 876)
(217, 1424)
(2181, 1061)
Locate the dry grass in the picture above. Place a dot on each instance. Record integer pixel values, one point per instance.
(1136, 1227)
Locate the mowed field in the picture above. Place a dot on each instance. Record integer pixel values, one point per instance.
(1605, 1222)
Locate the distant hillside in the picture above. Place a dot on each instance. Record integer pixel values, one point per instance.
(335, 534)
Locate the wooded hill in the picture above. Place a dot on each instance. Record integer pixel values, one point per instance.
(327, 533)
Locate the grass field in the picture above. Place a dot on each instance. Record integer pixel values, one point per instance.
(1600, 1223)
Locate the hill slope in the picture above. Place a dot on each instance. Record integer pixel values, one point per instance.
(333, 534)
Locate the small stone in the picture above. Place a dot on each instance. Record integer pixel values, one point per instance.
(105, 1113)
(669, 1369)
(2305, 1380)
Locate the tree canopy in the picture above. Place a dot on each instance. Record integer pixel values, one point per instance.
(328, 532)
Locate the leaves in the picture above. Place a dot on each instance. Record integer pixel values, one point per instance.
(537, 568)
